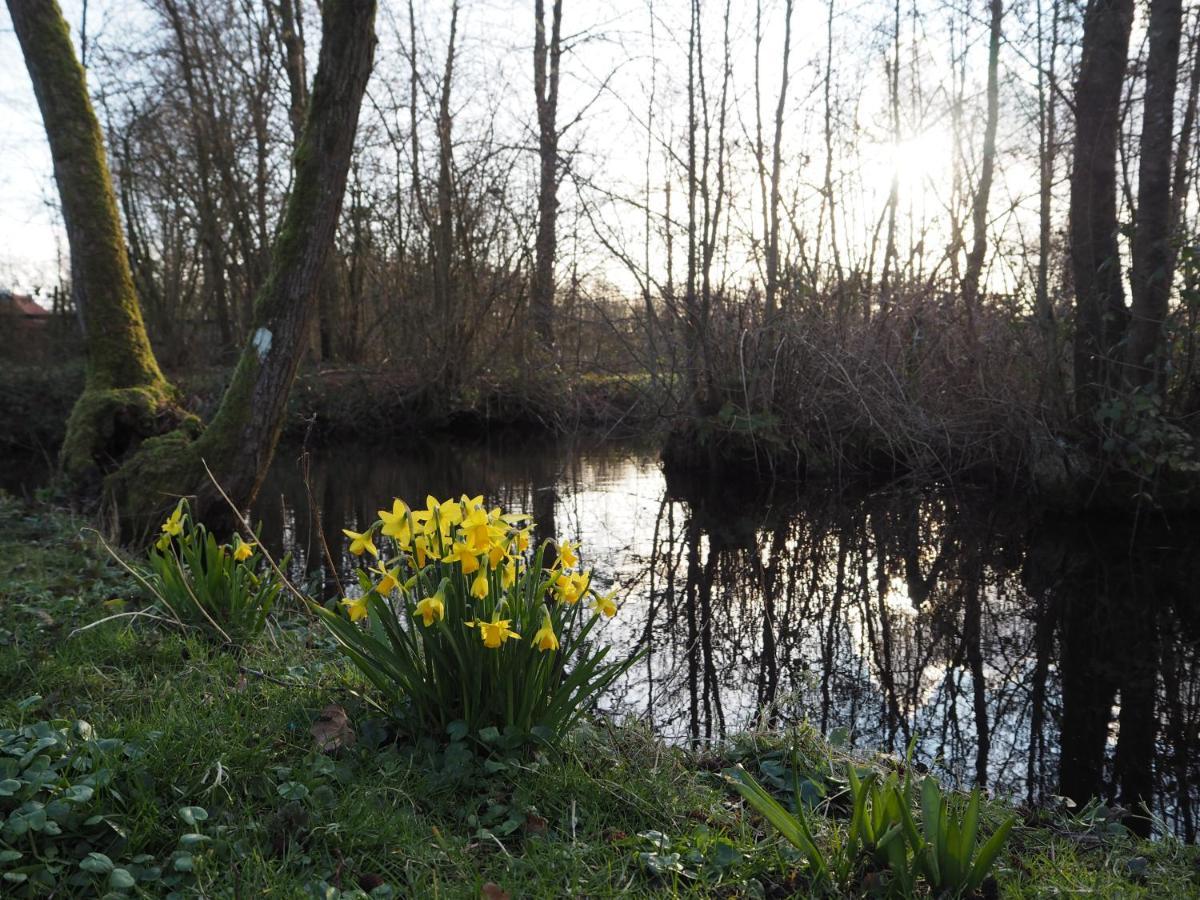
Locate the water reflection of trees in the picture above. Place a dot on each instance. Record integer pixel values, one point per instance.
(1057, 657)
(1035, 656)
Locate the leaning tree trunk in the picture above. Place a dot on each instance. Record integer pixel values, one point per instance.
(1100, 313)
(240, 441)
(125, 397)
(1152, 258)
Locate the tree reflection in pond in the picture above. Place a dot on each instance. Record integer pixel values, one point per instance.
(1035, 656)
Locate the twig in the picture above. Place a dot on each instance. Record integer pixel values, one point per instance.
(304, 601)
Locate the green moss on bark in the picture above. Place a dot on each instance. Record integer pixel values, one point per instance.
(126, 396)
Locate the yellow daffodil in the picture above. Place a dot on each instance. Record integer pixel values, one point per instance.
(360, 542)
(421, 549)
(495, 632)
(389, 578)
(496, 555)
(545, 638)
(241, 550)
(606, 604)
(432, 609)
(475, 529)
(356, 607)
(479, 587)
(522, 538)
(425, 518)
(508, 574)
(569, 587)
(566, 554)
(465, 554)
(396, 523)
(174, 524)
(449, 514)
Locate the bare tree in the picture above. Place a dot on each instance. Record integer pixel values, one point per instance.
(1100, 313)
(772, 236)
(979, 211)
(546, 57)
(1150, 277)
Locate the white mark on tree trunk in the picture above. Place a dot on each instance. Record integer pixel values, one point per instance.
(262, 343)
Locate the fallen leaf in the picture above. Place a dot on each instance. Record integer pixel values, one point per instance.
(493, 891)
(535, 824)
(332, 730)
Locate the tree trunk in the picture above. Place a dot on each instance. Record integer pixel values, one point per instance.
(893, 201)
(773, 302)
(1047, 150)
(979, 208)
(546, 87)
(291, 39)
(239, 443)
(443, 227)
(1095, 254)
(1151, 274)
(125, 395)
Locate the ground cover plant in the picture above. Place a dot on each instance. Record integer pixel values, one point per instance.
(220, 775)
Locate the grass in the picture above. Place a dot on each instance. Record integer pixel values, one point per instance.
(614, 811)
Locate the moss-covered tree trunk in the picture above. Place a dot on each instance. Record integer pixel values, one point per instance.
(240, 441)
(125, 397)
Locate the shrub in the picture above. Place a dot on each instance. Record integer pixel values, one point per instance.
(465, 630)
(210, 586)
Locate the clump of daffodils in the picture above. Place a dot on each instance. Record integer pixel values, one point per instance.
(219, 589)
(458, 619)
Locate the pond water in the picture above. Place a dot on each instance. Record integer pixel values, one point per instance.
(1039, 656)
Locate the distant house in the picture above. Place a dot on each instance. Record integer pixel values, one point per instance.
(21, 312)
(26, 335)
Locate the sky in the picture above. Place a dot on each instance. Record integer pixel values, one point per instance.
(607, 76)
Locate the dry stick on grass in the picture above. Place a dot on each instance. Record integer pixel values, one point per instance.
(304, 601)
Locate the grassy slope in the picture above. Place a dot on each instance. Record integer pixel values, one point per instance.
(204, 729)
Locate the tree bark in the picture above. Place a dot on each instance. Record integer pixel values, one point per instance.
(443, 227)
(1095, 255)
(125, 394)
(240, 442)
(893, 201)
(1047, 151)
(545, 85)
(773, 302)
(979, 208)
(1151, 273)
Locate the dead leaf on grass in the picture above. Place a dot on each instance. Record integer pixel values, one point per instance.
(332, 730)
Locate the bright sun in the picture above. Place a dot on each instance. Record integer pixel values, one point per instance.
(921, 163)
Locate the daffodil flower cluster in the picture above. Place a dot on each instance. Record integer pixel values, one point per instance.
(459, 616)
(207, 585)
(487, 547)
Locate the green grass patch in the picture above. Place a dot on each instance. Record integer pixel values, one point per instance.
(198, 774)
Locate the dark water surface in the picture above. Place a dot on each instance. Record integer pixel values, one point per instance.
(1039, 656)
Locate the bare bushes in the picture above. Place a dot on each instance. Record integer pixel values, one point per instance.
(916, 388)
